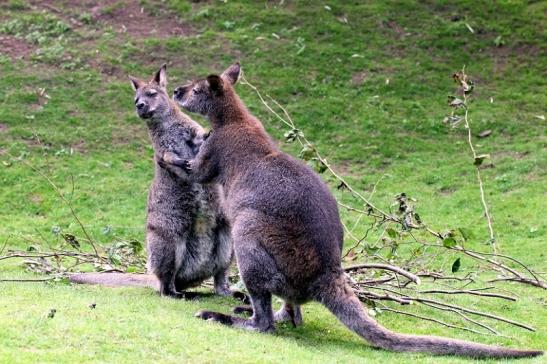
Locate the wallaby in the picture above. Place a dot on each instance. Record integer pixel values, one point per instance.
(286, 226)
(187, 233)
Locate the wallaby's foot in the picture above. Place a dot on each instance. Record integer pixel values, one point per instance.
(238, 310)
(167, 288)
(262, 319)
(222, 288)
(223, 291)
(243, 297)
(185, 295)
(189, 296)
(289, 312)
(248, 324)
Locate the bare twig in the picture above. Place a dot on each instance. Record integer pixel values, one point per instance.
(469, 291)
(4, 246)
(467, 87)
(414, 278)
(465, 317)
(520, 280)
(478, 313)
(65, 201)
(385, 308)
(28, 280)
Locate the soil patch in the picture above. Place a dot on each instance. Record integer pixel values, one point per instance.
(127, 16)
(15, 48)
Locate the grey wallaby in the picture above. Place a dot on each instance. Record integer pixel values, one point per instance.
(187, 233)
(286, 227)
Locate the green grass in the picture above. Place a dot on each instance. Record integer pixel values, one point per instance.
(330, 69)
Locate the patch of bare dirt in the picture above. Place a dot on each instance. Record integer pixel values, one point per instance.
(502, 55)
(15, 48)
(359, 78)
(447, 190)
(36, 198)
(79, 147)
(3, 128)
(510, 154)
(127, 16)
(399, 31)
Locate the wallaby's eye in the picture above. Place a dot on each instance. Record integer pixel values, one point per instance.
(196, 91)
(151, 93)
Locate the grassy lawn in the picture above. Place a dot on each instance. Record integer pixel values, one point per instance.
(366, 81)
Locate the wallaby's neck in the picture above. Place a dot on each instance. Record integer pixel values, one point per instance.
(160, 124)
(233, 113)
(230, 110)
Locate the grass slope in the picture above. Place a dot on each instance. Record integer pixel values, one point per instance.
(366, 81)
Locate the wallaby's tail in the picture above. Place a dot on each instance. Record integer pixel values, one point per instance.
(340, 299)
(117, 279)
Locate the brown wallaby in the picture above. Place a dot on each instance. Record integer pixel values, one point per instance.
(188, 236)
(285, 225)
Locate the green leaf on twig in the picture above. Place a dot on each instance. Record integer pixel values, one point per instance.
(465, 233)
(307, 152)
(449, 242)
(392, 233)
(456, 265)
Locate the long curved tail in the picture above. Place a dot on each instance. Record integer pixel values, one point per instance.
(117, 279)
(341, 300)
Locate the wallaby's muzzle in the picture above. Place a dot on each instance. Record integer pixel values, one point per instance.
(178, 93)
(143, 109)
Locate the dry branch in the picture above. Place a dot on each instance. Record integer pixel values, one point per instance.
(392, 268)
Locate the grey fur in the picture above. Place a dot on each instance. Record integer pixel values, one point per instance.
(188, 236)
(286, 227)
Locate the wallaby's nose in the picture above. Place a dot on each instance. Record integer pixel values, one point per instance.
(179, 91)
(140, 105)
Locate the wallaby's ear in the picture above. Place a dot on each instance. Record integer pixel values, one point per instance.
(161, 76)
(232, 73)
(215, 84)
(136, 83)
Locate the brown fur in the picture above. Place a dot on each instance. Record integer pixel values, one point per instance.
(285, 225)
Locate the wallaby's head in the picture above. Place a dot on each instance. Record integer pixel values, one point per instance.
(203, 96)
(151, 98)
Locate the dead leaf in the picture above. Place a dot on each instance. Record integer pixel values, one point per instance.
(484, 133)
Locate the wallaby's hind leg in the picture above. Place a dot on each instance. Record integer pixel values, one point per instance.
(262, 319)
(164, 259)
(222, 287)
(288, 312)
(256, 268)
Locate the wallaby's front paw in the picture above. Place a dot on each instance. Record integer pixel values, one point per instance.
(185, 164)
(161, 162)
